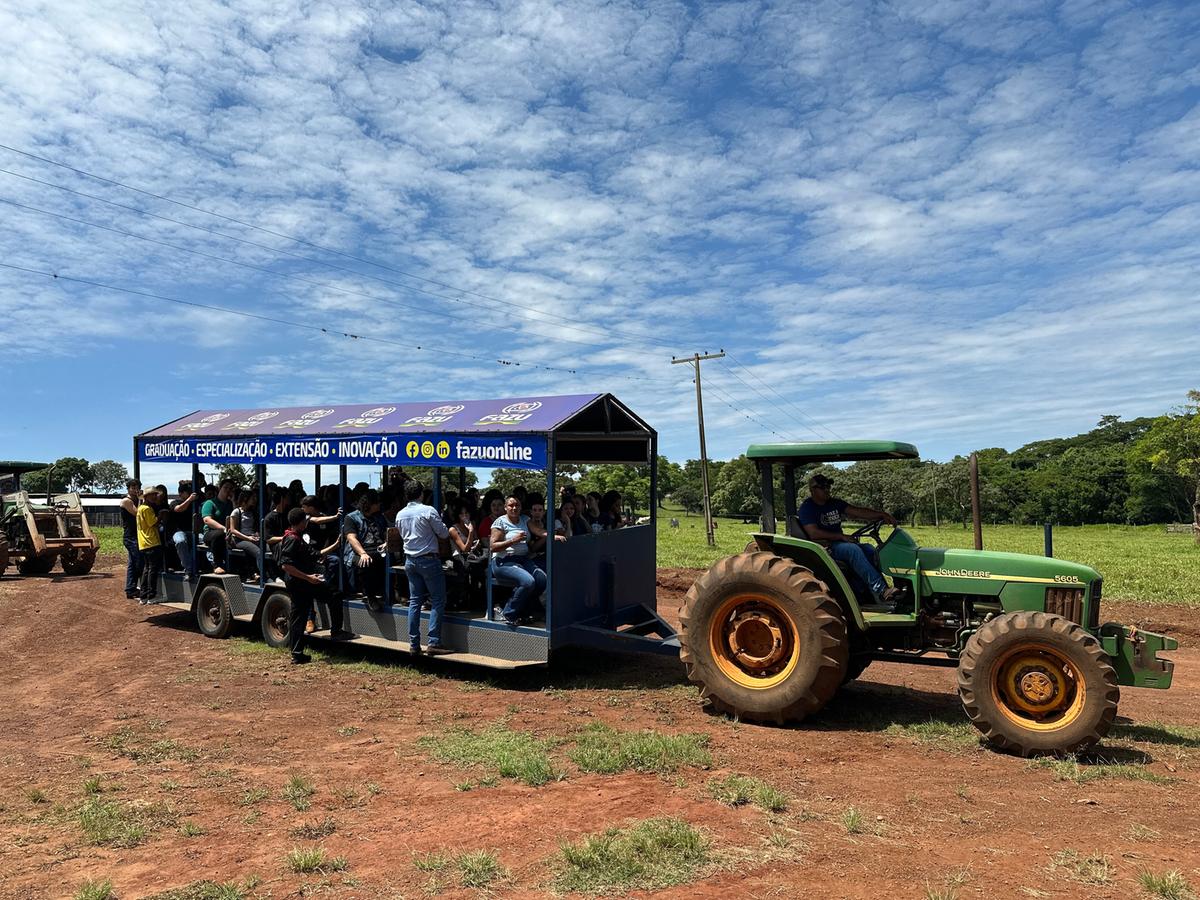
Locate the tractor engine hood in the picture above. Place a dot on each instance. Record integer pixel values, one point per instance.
(972, 569)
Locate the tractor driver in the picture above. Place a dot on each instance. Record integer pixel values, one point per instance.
(821, 519)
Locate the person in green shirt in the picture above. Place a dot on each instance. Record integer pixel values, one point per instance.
(215, 513)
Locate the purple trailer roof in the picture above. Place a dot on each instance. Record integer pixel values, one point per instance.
(513, 415)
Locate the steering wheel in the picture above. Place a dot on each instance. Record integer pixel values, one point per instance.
(871, 530)
(61, 505)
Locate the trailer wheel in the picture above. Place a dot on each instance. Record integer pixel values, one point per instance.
(274, 619)
(77, 561)
(36, 565)
(1037, 683)
(763, 638)
(213, 614)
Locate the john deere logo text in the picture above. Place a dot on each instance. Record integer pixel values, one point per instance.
(253, 422)
(204, 423)
(513, 414)
(962, 573)
(309, 418)
(439, 416)
(366, 419)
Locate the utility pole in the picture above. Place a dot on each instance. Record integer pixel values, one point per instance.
(695, 359)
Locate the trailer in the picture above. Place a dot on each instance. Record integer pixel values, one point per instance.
(600, 587)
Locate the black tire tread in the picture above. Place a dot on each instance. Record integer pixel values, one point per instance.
(1012, 628)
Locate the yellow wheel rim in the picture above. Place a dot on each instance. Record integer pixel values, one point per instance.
(754, 641)
(1038, 688)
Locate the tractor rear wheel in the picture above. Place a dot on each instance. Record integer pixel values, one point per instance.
(77, 560)
(1033, 682)
(763, 638)
(36, 565)
(3, 553)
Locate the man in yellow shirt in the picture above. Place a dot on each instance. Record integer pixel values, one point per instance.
(150, 544)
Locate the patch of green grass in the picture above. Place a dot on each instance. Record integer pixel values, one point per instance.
(298, 792)
(1069, 768)
(738, 790)
(206, 890)
(944, 735)
(95, 890)
(602, 749)
(1095, 868)
(36, 796)
(853, 821)
(113, 824)
(169, 784)
(511, 754)
(1167, 886)
(306, 860)
(141, 748)
(348, 730)
(652, 854)
(253, 795)
(1158, 733)
(479, 869)
(431, 862)
(191, 829)
(92, 786)
(311, 831)
(1138, 832)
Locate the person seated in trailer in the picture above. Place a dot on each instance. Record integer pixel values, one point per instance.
(580, 524)
(180, 526)
(215, 513)
(149, 543)
(242, 533)
(820, 518)
(365, 531)
(494, 510)
(591, 509)
(610, 517)
(450, 507)
(511, 563)
(295, 491)
(421, 527)
(564, 519)
(464, 536)
(275, 523)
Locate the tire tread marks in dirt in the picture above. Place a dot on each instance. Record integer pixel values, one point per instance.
(989, 644)
(820, 627)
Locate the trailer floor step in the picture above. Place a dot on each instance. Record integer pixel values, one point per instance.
(474, 659)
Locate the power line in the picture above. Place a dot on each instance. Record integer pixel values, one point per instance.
(797, 409)
(288, 237)
(335, 332)
(289, 275)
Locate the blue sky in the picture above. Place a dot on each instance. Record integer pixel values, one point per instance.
(962, 224)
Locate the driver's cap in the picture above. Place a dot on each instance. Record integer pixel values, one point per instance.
(819, 480)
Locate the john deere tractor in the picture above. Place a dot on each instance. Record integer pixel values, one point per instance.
(34, 535)
(772, 633)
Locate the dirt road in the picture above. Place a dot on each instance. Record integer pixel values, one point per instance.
(105, 705)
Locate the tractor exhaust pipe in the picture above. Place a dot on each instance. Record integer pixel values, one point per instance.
(976, 518)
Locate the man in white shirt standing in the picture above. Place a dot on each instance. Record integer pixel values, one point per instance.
(420, 526)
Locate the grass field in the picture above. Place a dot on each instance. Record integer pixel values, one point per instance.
(1139, 563)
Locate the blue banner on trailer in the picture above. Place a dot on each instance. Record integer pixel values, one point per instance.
(475, 450)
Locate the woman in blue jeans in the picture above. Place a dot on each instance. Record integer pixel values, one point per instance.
(511, 563)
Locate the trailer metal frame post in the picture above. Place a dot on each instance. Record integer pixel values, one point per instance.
(341, 548)
(462, 481)
(550, 454)
(197, 521)
(653, 480)
(317, 479)
(260, 474)
(789, 498)
(437, 489)
(137, 466)
(976, 516)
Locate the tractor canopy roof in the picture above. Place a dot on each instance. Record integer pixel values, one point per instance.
(832, 451)
(16, 467)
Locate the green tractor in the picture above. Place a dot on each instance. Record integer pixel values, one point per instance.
(772, 633)
(34, 535)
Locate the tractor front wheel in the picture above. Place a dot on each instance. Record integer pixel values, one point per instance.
(77, 561)
(763, 638)
(1033, 682)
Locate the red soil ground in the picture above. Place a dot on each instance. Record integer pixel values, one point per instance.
(81, 665)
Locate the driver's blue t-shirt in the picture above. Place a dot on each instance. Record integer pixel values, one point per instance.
(827, 517)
